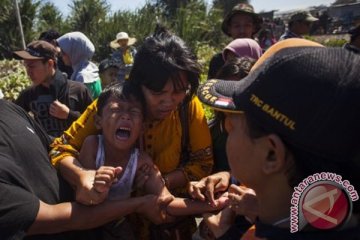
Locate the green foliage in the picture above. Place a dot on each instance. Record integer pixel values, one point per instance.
(334, 42)
(170, 7)
(227, 5)
(13, 79)
(330, 40)
(50, 18)
(10, 38)
(193, 20)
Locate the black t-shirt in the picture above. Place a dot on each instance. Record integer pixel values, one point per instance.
(37, 100)
(26, 175)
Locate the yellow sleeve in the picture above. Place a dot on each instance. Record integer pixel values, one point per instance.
(201, 155)
(69, 143)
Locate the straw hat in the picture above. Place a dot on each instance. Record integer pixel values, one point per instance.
(120, 36)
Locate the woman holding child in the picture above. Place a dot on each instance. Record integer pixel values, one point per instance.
(168, 75)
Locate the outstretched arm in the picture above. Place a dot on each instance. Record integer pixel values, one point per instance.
(73, 216)
(179, 206)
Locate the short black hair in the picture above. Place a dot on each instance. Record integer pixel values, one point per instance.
(161, 57)
(49, 35)
(121, 91)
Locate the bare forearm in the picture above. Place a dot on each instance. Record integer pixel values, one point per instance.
(73, 216)
(184, 207)
(175, 179)
(71, 170)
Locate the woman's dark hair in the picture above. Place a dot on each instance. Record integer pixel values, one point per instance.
(236, 68)
(233, 69)
(307, 163)
(121, 91)
(161, 57)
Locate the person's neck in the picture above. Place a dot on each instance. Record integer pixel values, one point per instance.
(274, 202)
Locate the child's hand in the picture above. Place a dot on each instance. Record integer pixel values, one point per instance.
(105, 176)
(243, 201)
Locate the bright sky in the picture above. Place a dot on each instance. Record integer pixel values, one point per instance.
(259, 5)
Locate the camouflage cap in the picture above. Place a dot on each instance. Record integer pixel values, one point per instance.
(303, 16)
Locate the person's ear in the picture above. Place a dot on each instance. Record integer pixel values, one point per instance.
(51, 63)
(276, 156)
(97, 121)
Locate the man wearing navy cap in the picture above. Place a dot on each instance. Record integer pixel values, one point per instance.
(293, 138)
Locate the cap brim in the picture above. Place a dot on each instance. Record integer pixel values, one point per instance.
(115, 44)
(218, 94)
(25, 55)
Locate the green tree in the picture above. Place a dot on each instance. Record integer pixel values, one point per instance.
(50, 17)
(87, 15)
(170, 6)
(10, 37)
(227, 5)
(139, 23)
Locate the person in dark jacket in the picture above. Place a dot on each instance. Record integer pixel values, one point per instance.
(53, 100)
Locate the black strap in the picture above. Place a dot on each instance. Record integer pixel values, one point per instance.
(184, 120)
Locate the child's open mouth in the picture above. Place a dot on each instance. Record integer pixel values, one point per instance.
(123, 133)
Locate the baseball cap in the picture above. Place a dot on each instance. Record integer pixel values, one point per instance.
(37, 50)
(107, 63)
(241, 8)
(308, 95)
(303, 16)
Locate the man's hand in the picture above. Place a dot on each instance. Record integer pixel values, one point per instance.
(86, 193)
(219, 223)
(243, 201)
(59, 110)
(206, 188)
